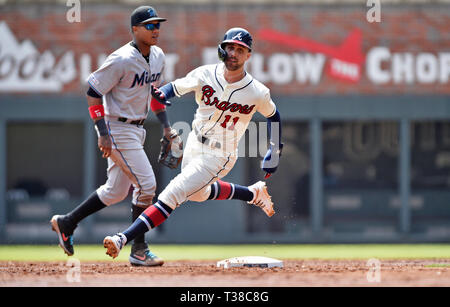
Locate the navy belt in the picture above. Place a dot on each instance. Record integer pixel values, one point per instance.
(137, 122)
(204, 140)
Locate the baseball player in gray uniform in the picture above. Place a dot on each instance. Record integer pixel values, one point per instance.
(227, 97)
(119, 99)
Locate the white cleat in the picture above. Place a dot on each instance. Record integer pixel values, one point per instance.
(114, 244)
(262, 198)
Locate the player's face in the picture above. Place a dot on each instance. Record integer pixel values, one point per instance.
(148, 33)
(237, 55)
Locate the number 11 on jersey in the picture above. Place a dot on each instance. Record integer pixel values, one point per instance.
(227, 119)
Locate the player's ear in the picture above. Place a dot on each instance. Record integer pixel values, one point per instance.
(133, 29)
(249, 54)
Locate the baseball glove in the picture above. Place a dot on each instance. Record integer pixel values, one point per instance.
(171, 152)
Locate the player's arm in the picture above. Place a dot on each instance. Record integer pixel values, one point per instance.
(97, 112)
(101, 82)
(160, 111)
(274, 129)
(163, 94)
(158, 105)
(168, 156)
(178, 87)
(272, 157)
(269, 110)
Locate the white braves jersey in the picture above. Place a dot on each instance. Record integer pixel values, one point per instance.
(124, 81)
(224, 109)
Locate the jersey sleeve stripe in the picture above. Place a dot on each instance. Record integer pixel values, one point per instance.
(93, 87)
(273, 113)
(176, 90)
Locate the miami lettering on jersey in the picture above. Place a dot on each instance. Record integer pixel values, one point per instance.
(144, 77)
(208, 92)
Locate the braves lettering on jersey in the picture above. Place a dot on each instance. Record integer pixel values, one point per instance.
(224, 110)
(124, 81)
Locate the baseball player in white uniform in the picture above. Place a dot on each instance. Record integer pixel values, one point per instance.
(227, 97)
(119, 99)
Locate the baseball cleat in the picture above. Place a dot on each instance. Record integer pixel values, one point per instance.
(64, 230)
(262, 198)
(114, 244)
(142, 256)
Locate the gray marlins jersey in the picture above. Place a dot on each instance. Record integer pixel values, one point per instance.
(124, 81)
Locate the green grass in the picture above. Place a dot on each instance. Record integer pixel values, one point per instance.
(438, 265)
(219, 252)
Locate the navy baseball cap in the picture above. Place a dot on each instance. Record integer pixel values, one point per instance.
(144, 14)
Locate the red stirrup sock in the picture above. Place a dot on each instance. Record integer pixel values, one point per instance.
(225, 190)
(150, 218)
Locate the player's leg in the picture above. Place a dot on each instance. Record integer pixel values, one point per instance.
(143, 194)
(151, 218)
(195, 177)
(221, 190)
(64, 225)
(255, 194)
(135, 165)
(129, 140)
(114, 190)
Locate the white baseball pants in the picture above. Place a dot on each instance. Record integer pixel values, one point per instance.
(200, 168)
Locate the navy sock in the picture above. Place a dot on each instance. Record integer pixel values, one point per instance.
(91, 205)
(136, 211)
(149, 219)
(225, 190)
(137, 228)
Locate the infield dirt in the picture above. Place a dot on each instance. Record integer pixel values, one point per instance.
(295, 273)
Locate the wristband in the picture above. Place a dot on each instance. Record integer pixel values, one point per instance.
(96, 111)
(101, 127)
(155, 105)
(167, 90)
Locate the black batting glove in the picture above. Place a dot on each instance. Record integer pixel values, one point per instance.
(158, 95)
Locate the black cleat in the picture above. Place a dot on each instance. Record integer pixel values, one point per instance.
(64, 230)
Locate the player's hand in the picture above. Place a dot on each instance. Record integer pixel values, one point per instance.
(170, 133)
(158, 95)
(171, 152)
(104, 144)
(271, 160)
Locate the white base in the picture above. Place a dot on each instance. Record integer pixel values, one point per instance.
(250, 261)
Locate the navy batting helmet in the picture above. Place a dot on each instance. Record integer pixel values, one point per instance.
(235, 35)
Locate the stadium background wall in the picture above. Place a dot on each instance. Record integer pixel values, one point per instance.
(365, 109)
